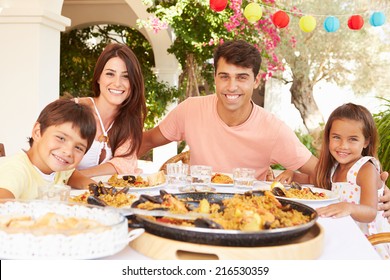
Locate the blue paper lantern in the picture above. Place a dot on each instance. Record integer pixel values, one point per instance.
(331, 24)
(377, 19)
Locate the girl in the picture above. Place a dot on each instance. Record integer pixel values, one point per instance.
(348, 165)
(120, 110)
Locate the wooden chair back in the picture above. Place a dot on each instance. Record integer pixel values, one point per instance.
(2, 150)
(184, 157)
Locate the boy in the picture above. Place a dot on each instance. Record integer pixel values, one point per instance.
(62, 134)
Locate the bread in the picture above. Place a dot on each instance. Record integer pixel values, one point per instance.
(156, 178)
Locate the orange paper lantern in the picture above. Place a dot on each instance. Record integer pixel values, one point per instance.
(280, 19)
(218, 5)
(355, 22)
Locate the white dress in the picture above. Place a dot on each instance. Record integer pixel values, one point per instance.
(350, 192)
(91, 158)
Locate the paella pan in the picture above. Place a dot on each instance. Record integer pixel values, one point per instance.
(212, 231)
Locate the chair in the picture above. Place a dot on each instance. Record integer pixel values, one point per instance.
(183, 157)
(2, 150)
(379, 238)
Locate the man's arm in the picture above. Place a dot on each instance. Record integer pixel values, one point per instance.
(308, 171)
(151, 139)
(384, 201)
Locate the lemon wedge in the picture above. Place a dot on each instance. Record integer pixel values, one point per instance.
(277, 184)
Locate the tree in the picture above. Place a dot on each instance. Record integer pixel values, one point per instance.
(198, 29)
(345, 57)
(342, 57)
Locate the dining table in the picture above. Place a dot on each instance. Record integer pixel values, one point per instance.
(343, 240)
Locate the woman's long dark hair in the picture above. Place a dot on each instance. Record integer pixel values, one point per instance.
(347, 111)
(129, 122)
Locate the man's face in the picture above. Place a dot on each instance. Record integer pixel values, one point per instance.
(234, 85)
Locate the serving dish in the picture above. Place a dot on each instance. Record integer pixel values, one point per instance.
(221, 237)
(109, 236)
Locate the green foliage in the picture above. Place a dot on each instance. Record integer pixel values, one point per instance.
(307, 140)
(79, 55)
(382, 121)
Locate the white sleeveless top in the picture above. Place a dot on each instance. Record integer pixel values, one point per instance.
(350, 192)
(91, 158)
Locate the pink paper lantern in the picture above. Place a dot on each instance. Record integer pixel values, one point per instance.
(355, 22)
(218, 5)
(280, 19)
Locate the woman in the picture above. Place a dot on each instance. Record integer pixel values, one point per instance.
(120, 110)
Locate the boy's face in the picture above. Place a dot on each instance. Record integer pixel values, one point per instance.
(58, 148)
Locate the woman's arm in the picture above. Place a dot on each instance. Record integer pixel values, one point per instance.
(79, 181)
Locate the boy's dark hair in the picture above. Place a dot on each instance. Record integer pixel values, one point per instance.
(64, 111)
(240, 53)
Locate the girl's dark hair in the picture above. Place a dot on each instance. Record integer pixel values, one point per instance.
(347, 111)
(129, 122)
(240, 53)
(67, 111)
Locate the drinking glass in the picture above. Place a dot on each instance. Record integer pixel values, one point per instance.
(243, 177)
(54, 192)
(177, 174)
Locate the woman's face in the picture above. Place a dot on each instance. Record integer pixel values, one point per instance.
(114, 81)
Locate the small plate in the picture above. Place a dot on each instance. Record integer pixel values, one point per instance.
(104, 180)
(223, 185)
(331, 196)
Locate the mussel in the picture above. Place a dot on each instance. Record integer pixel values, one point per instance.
(295, 185)
(129, 178)
(278, 192)
(95, 201)
(207, 223)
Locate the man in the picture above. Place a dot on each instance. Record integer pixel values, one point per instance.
(227, 130)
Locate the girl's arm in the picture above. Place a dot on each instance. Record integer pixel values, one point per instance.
(365, 212)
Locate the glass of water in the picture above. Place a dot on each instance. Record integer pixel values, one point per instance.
(201, 175)
(177, 174)
(243, 177)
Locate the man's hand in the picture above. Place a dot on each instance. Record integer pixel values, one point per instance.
(385, 199)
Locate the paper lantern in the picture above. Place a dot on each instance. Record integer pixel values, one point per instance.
(280, 19)
(331, 24)
(218, 5)
(307, 23)
(355, 22)
(253, 12)
(377, 19)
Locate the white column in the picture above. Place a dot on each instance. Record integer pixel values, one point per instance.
(30, 65)
(161, 154)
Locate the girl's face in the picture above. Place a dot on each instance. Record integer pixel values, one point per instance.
(346, 141)
(114, 81)
(59, 148)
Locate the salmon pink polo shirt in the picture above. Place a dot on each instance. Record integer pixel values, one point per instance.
(260, 141)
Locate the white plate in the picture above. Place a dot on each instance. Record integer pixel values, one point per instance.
(223, 185)
(104, 180)
(331, 196)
